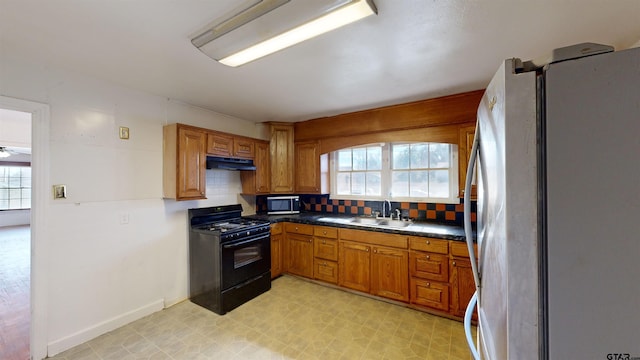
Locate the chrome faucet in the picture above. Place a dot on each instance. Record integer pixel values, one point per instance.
(384, 212)
(398, 214)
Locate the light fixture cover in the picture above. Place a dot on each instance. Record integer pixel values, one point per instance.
(290, 23)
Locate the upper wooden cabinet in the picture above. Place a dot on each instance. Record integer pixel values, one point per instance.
(465, 143)
(225, 145)
(282, 159)
(312, 168)
(184, 160)
(258, 181)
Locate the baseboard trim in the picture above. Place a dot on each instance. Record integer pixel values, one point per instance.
(82, 336)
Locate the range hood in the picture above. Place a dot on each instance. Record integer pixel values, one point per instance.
(214, 162)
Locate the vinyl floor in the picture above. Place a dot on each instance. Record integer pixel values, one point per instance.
(296, 319)
(15, 278)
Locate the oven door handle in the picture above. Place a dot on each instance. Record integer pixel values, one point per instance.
(238, 244)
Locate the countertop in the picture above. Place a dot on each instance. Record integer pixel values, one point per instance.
(425, 229)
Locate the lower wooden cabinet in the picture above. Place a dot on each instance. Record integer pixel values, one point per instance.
(462, 285)
(355, 265)
(299, 249)
(389, 273)
(425, 272)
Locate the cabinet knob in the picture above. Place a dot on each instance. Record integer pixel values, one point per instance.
(428, 242)
(375, 251)
(428, 257)
(454, 263)
(325, 263)
(324, 232)
(296, 228)
(324, 241)
(367, 250)
(428, 284)
(310, 240)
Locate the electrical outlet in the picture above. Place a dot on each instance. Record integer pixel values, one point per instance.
(124, 218)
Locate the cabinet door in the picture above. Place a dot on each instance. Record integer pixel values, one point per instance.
(300, 255)
(431, 294)
(307, 167)
(429, 266)
(258, 181)
(282, 160)
(389, 273)
(220, 145)
(462, 285)
(354, 266)
(465, 143)
(191, 183)
(244, 148)
(276, 255)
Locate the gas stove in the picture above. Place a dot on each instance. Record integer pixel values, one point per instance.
(226, 222)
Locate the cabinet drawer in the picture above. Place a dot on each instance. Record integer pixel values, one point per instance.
(431, 294)
(428, 244)
(374, 238)
(429, 266)
(276, 229)
(304, 229)
(325, 270)
(325, 248)
(325, 231)
(459, 248)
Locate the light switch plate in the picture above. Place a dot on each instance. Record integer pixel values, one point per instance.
(124, 133)
(59, 191)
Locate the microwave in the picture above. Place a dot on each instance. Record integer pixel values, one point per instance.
(283, 205)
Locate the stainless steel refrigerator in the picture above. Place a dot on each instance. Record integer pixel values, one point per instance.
(558, 233)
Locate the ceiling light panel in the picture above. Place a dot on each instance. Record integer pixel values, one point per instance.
(304, 16)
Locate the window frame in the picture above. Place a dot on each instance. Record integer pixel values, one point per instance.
(30, 187)
(386, 176)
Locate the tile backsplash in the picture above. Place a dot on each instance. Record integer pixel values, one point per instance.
(435, 212)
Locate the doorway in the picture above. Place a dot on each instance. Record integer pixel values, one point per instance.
(35, 234)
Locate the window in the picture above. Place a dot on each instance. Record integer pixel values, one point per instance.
(15, 187)
(398, 171)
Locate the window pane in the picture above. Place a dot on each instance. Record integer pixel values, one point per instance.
(439, 183)
(419, 184)
(4, 204)
(374, 183)
(400, 183)
(358, 183)
(343, 183)
(400, 156)
(14, 182)
(420, 156)
(439, 155)
(344, 160)
(374, 158)
(360, 159)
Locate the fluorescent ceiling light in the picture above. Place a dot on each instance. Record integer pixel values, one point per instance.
(351, 11)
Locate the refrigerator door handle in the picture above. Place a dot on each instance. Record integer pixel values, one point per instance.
(467, 325)
(468, 231)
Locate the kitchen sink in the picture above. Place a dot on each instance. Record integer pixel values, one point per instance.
(394, 223)
(366, 221)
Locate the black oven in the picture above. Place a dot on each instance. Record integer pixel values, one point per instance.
(229, 258)
(245, 259)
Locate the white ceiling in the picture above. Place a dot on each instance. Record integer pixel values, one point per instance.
(412, 50)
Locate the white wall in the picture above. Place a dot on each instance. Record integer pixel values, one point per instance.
(102, 271)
